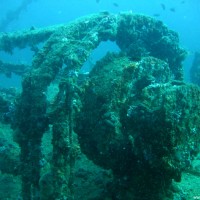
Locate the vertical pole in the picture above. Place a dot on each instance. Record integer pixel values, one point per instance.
(63, 159)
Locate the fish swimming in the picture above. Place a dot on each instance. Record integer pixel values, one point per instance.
(163, 6)
(156, 15)
(172, 9)
(115, 4)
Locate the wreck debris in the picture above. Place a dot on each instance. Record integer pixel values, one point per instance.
(195, 69)
(8, 69)
(132, 115)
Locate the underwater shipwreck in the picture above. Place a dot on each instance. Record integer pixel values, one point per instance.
(132, 115)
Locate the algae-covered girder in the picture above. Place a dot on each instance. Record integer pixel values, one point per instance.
(8, 69)
(195, 69)
(22, 39)
(138, 36)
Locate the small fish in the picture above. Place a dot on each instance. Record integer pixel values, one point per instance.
(182, 2)
(104, 12)
(32, 28)
(156, 15)
(172, 9)
(163, 6)
(115, 4)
